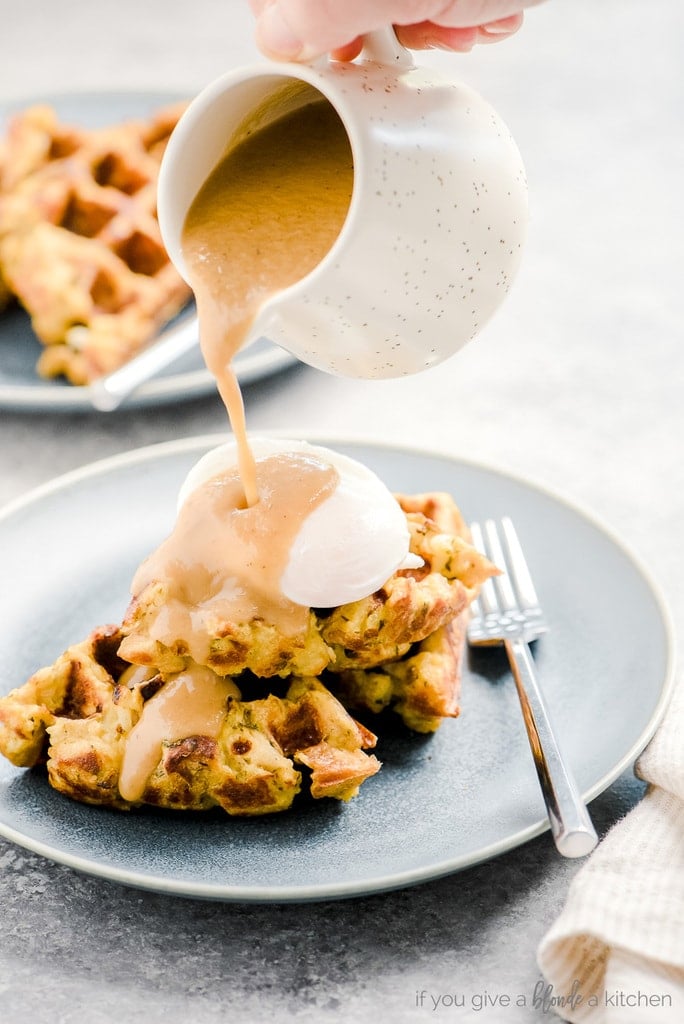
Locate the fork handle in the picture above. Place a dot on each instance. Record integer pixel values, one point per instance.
(108, 393)
(571, 827)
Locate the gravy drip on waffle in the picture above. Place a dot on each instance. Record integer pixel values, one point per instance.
(192, 703)
(265, 218)
(226, 558)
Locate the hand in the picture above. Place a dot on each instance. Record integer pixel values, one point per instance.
(304, 29)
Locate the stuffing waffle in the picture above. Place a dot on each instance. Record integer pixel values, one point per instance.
(80, 247)
(380, 628)
(399, 649)
(76, 715)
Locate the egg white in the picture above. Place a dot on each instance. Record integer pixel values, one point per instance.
(348, 546)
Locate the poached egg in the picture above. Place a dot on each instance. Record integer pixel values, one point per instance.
(348, 546)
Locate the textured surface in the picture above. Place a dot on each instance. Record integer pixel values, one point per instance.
(576, 383)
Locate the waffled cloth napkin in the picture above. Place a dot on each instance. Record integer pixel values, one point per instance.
(616, 953)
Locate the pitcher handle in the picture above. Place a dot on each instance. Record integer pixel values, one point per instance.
(383, 47)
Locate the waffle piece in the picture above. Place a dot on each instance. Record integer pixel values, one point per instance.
(411, 606)
(423, 687)
(400, 648)
(80, 246)
(232, 647)
(76, 717)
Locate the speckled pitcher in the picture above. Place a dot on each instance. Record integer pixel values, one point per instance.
(436, 222)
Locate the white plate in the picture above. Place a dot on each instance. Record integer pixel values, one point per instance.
(440, 803)
(20, 386)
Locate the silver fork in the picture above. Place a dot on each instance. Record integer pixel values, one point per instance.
(507, 611)
(108, 393)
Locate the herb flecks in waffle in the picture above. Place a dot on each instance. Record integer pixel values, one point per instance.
(288, 720)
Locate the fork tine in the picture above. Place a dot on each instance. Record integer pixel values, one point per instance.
(518, 569)
(502, 584)
(487, 601)
(507, 603)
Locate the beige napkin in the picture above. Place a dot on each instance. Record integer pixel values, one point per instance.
(616, 953)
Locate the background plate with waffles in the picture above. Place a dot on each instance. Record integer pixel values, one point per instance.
(21, 385)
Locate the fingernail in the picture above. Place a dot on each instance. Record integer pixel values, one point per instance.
(503, 27)
(276, 38)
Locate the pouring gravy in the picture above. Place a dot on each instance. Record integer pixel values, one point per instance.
(265, 217)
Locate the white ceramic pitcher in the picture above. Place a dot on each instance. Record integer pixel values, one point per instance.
(437, 218)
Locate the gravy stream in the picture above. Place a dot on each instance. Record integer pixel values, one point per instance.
(265, 217)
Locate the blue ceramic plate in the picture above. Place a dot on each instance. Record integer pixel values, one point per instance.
(21, 387)
(440, 803)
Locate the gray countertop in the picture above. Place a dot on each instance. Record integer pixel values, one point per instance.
(576, 385)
